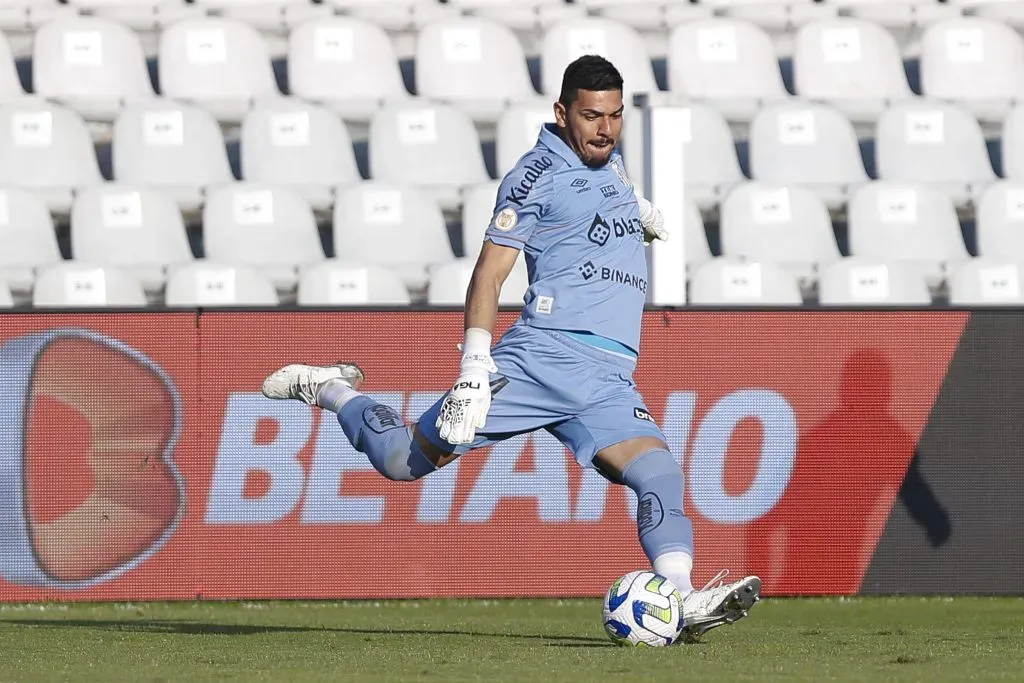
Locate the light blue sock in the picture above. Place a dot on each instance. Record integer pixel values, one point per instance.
(663, 528)
(378, 431)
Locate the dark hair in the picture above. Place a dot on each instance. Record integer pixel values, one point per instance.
(589, 72)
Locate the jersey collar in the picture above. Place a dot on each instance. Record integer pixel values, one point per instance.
(553, 141)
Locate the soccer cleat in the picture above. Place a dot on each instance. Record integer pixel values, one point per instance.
(302, 382)
(715, 606)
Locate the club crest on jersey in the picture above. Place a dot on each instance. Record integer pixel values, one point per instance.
(621, 172)
(506, 219)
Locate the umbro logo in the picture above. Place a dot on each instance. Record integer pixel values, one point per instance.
(581, 185)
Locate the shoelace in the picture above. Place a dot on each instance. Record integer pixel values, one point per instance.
(719, 577)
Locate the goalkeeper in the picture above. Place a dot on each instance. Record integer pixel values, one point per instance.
(567, 364)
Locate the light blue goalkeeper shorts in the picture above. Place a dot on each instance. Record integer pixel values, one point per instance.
(582, 395)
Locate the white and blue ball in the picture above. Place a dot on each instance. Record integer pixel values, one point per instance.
(643, 608)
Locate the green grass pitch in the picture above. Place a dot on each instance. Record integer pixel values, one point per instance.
(538, 641)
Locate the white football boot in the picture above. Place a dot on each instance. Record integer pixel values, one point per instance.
(715, 606)
(302, 382)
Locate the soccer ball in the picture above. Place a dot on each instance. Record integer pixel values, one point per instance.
(643, 609)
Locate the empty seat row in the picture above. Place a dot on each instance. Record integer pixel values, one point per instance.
(218, 283)
(856, 282)
(94, 64)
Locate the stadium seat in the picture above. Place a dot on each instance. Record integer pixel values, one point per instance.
(1000, 221)
(449, 282)
(90, 64)
(727, 63)
(85, 285)
(799, 143)
(620, 44)
(218, 64)
(712, 168)
(173, 147)
(1008, 12)
(48, 149)
(1012, 144)
(27, 238)
(138, 15)
(397, 226)
(787, 226)
(524, 16)
(340, 283)
(135, 229)
(475, 64)
(6, 300)
(725, 281)
(854, 65)
(434, 146)
(518, 129)
(695, 237)
(268, 228)
(986, 282)
(10, 84)
(395, 15)
(305, 147)
(642, 15)
(270, 16)
(210, 283)
(875, 282)
(346, 64)
(936, 143)
(976, 62)
(907, 222)
(477, 212)
(777, 16)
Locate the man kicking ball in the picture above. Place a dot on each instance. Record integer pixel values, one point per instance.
(567, 364)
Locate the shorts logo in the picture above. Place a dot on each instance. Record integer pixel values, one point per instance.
(532, 172)
(588, 270)
(506, 219)
(609, 191)
(599, 231)
(642, 414)
(649, 513)
(381, 418)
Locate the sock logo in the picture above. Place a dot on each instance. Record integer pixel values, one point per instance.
(380, 418)
(649, 513)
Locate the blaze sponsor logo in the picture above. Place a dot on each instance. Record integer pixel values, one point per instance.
(532, 172)
(601, 230)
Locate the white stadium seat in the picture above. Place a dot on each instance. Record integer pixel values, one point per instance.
(936, 143)
(27, 238)
(731, 282)
(395, 15)
(854, 65)
(85, 285)
(305, 147)
(727, 63)
(210, 283)
(1012, 144)
(6, 299)
(712, 168)
(872, 282)
(799, 143)
(976, 62)
(434, 146)
(987, 282)
(449, 282)
(695, 237)
(91, 64)
(219, 64)
(136, 229)
(620, 44)
(787, 226)
(264, 227)
(342, 283)
(523, 16)
(46, 148)
(477, 212)
(518, 129)
(1000, 221)
(176, 148)
(908, 222)
(346, 64)
(476, 64)
(394, 225)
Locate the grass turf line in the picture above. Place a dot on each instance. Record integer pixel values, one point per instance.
(549, 641)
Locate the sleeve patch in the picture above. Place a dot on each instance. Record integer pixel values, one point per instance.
(506, 219)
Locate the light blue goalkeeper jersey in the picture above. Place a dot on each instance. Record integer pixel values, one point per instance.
(580, 231)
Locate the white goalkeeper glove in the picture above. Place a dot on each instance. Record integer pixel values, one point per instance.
(465, 408)
(652, 220)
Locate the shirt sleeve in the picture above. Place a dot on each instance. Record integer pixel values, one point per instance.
(524, 200)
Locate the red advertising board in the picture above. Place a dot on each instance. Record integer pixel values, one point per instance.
(139, 460)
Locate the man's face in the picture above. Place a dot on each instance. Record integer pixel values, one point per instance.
(592, 124)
